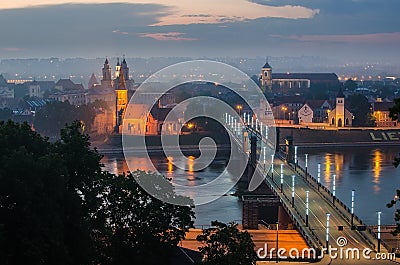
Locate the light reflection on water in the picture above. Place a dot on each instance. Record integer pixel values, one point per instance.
(368, 170)
(227, 208)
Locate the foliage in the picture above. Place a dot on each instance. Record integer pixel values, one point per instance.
(397, 216)
(194, 108)
(394, 114)
(145, 230)
(5, 114)
(361, 109)
(350, 84)
(39, 215)
(225, 244)
(50, 119)
(319, 91)
(57, 206)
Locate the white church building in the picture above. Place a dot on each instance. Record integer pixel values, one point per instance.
(340, 116)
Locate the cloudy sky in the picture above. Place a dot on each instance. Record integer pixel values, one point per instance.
(344, 29)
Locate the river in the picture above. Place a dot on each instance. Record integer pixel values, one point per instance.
(368, 170)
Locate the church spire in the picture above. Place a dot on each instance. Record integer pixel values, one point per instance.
(121, 83)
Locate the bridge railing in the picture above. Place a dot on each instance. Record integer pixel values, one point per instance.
(309, 235)
(342, 208)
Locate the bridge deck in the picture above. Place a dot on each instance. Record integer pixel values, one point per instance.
(321, 202)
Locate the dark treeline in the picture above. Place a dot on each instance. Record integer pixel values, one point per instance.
(57, 205)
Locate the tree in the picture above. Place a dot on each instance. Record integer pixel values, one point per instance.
(57, 206)
(394, 114)
(36, 221)
(318, 91)
(361, 109)
(226, 245)
(142, 229)
(350, 84)
(50, 119)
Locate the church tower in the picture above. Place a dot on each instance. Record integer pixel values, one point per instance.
(125, 69)
(340, 110)
(117, 69)
(106, 81)
(266, 77)
(122, 101)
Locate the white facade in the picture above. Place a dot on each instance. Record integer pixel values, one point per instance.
(305, 114)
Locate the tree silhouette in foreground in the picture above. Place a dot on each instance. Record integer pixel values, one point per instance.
(226, 245)
(57, 205)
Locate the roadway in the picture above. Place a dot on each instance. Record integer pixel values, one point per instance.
(320, 203)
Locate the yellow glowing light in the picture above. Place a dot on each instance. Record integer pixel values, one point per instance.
(191, 164)
(190, 125)
(170, 165)
(327, 168)
(377, 165)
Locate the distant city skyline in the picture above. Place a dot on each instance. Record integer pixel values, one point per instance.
(347, 30)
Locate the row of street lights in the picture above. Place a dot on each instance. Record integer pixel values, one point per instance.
(333, 201)
(235, 125)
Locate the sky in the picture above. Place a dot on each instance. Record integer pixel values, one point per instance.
(348, 30)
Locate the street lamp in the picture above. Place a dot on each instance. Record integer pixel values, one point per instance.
(284, 112)
(352, 207)
(306, 165)
(334, 189)
(264, 155)
(272, 166)
(395, 201)
(266, 132)
(379, 231)
(327, 231)
(295, 157)
(293, 177)
(239, 108)
(281, 177)
(319, 175)
(244, 118)
(307, 195)
(226, 118)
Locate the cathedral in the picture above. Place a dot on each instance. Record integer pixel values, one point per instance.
(114, 90)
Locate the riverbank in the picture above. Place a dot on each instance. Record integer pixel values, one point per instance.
(340, 137)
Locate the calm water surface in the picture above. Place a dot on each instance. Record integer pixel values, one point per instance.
(368, 170)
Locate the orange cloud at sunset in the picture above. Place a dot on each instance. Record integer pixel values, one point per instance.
(187, 12)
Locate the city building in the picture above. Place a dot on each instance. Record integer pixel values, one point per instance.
(340, 116)
(285, 83)
(6, 89)
(381, 111)
(37, 89)
(138, 121)
(314, 111)
(115, 92)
